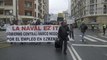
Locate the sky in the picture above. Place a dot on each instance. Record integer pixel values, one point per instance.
(57, 6)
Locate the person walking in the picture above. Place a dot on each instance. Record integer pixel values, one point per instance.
(92, 27)
(104, 29)
(83, 28)
(71, 31)
(63, 33)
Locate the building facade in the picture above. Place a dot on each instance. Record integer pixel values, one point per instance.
(89, 11)
(6, 10)
(23, 10)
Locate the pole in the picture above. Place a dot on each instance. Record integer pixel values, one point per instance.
(16, 11)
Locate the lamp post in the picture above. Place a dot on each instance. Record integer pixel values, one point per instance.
(16, 10)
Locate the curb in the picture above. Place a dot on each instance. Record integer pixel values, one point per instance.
(4, 45)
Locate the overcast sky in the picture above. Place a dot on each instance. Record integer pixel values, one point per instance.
(56, 6)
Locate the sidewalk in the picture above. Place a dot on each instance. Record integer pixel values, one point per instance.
(3, 45)
(2, 36)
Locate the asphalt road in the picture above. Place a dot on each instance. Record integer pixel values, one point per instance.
(33, 52)
(94, 48)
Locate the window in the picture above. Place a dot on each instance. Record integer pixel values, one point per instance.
(8, 2)
(105, 9)
(91, 9)
(96, 9)
(35, 14)
(7, 12)
(1, 2)
(28, 4)
(1, 12)
(92, 1)
(35, 6)
(28, 13)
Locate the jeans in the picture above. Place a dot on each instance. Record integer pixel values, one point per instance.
(83, 34)
(72, 34)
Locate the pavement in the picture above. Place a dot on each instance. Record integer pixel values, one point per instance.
(94, 48)
(33, 52)
(2, 36)
(3, 43)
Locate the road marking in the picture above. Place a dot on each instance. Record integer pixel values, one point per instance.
(97, 38)
(105, 54)
(72, 54)
(70, 39)
(89, 45)
(77, 55)
(89, 39)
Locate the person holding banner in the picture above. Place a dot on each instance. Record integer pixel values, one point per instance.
(63, 33)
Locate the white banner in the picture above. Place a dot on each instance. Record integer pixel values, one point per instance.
(30, 33)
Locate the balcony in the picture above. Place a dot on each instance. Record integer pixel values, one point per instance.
(8, 7)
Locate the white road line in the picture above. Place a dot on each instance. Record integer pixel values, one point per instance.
(90, 39)
(70, 38)
(105, 54)
(89, 45)
(97, 38)
(77, 55)
(72, 54)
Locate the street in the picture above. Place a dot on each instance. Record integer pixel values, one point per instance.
(53, 29)
(94, 48)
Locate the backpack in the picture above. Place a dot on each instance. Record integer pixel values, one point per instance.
(83, 28)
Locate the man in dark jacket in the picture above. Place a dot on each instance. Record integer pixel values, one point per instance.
(63, 35)
(104, 29)
(83, 28)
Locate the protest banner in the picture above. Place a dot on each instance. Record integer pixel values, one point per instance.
(30, 33)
